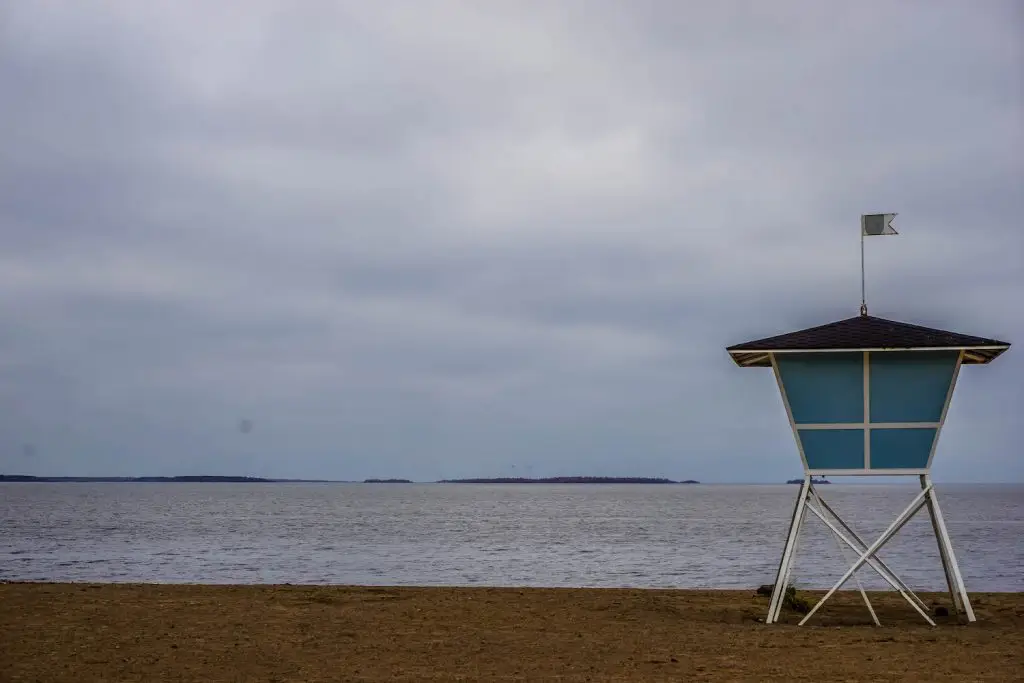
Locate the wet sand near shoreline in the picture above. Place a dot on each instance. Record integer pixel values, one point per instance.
(54, 633)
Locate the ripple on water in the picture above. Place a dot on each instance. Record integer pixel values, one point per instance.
(707, 537)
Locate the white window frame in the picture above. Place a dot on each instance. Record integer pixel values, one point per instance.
(867, 425)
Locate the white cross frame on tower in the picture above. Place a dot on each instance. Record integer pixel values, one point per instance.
(809, 500)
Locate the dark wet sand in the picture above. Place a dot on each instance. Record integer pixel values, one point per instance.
(129, 632)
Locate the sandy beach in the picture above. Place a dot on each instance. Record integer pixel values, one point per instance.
(128, 632)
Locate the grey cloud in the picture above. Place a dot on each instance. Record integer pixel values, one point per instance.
(439, 240)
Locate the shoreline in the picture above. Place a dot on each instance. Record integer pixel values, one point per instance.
(934, 595)
(261, 632)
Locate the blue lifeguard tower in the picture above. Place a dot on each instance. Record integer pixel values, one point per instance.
(865, 397)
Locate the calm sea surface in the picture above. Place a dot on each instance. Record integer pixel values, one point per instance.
(700, 536)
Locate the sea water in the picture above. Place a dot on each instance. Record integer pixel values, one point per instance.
(667, 536)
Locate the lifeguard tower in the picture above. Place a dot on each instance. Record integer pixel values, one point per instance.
(866, 397)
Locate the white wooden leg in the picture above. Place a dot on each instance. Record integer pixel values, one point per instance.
(946, 550)
(785, 564)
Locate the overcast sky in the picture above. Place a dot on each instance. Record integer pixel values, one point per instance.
(443, 239)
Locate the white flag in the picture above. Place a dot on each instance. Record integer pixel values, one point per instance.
(877, 224)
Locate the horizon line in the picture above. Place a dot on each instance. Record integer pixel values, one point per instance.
(213, 478)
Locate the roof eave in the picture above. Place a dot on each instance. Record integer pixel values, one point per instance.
(973, 355)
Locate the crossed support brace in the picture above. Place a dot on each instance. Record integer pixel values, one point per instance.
(809, 501)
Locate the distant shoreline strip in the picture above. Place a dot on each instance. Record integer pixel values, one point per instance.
(250, 480)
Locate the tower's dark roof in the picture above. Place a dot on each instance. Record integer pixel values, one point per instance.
(864, 333)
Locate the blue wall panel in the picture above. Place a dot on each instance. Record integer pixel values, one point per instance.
(823, 387)
(900, 448)
(833, 448)
(910, 386)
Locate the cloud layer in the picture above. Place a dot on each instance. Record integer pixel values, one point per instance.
(448, 239)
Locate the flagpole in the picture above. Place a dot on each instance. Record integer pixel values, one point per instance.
(863, 290)
(874, 224)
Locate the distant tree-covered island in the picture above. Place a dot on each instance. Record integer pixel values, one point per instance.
(567, 480)
(183, 479)
(813, 481)
(257, 480)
